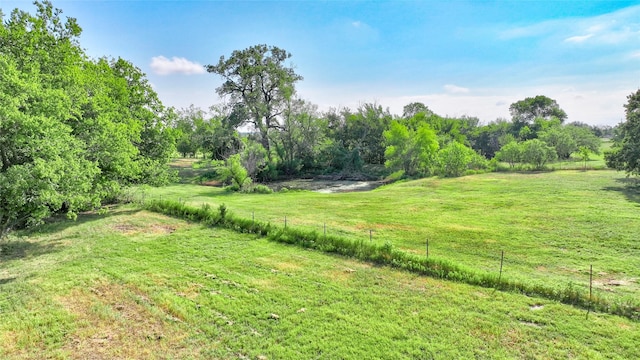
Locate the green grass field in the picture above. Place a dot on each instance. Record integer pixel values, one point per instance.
(551, 225)
(132, 284)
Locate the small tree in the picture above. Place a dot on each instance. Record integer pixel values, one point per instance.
(510, 153)
(561, 140)
(584, 155)
(254, 158)
(537, 153)
(454, 159)
(234, 173)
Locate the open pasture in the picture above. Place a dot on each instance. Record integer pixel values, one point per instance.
(133, 284)
(551, 225)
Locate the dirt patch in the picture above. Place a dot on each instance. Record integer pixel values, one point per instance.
(286, 266)
(155, 229)
(215, 183)
(9, 339)
(610, 284)
(111, 324)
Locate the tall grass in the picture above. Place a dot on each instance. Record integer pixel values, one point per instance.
(387, 254)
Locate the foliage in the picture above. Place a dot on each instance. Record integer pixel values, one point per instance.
(454, 159)
(74, 131)
(300, 141)
(253, 158)
(487, 140)
(258, 86)
(540, 106)
(411, 151)
(363, 132)
(234, 173)
(413, 109)
(563, 143)
(584, 137)
(537, 153)
(584, 153)
(510, 153)
(259, 189)
(625, 155)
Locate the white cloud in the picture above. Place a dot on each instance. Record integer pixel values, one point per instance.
(454, 89)
(578, 39)
(616, 28)
(177, 65)
(635, 55)
(585, 102)
(358, 32)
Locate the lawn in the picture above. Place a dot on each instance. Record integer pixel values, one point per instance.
(552, 226)
(132, 284)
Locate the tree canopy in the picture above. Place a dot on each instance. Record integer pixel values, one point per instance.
(73, 130)
(625, 155)
(258, 85)
(527, 110)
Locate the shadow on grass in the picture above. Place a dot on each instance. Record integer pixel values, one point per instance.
(6, 280)
(629, 187)
(20, 249)
(60, 222)
(19, 246)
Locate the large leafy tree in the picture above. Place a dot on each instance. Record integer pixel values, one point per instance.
(364, 131)
(410, 151)
(527, 110)
(625, 155)
(258, 85)
(561, 140)
(299, 142)
(42, 170)
(488, 139)
(73, 130)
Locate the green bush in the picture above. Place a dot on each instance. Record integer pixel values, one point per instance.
(258, 189)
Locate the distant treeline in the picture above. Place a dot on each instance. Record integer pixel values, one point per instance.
(74, 131)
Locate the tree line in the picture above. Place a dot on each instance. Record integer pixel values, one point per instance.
(75, 131)
(288, 136)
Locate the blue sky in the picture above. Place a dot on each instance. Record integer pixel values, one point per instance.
(458, 57)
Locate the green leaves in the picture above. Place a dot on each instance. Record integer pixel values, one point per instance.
(257, 79)
(626, 151)
(525, 111)
(412, 151)
(234, 173)
(73, 131)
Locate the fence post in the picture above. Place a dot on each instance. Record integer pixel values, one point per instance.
(370, 235)
(325, 230)
(590, 289)
(285, 222)
(501, 262)
(427, 248)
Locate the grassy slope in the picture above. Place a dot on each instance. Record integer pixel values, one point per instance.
(552, 226)
(140, 285)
